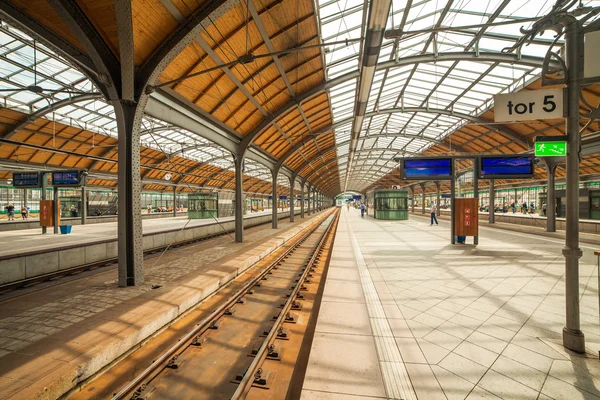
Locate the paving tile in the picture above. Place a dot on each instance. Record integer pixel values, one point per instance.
(317, 395)
(496, 331)
(455, 330)
(410, 351)
(392, 311)
(424, 382)
(400, 328)
(487, 342)
(476, 353)
(506, 388)
(479, 393)
(432, 352)
(349, 318)
(418, 330)
(566, 371)
(560, 390)
(463, 367)
(346, 292)
(345, 364)
(443, 339)
(528, 376)
(429, 320)
(454, 387)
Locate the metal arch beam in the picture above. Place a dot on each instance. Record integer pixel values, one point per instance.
(43, 111)
(421, 58)
(106, 63)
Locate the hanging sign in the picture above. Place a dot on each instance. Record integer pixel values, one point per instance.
(591, 59)
(529, 105)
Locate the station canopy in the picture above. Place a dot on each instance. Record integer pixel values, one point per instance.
(287, 74)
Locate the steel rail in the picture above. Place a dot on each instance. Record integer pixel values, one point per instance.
(246, 383)
(138, 384)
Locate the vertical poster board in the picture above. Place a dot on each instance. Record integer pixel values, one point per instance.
(466, 221)
(47, 212)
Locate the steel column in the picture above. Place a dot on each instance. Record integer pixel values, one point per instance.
(302, 200)
(476, 195)
(573, 338)
(491, 203)
(83, 208)
(56, 210)
(422, 198)
(551, 197)
(130, 240)
(44, 194)
(174, 201)
(412, 190)
(452, 204)
(239, 209)
(308, 202)
(292, 197)
(275, 201)
(437, 186)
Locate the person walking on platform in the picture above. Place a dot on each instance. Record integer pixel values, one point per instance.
(433, 211)
(23, 212)
(362, 209)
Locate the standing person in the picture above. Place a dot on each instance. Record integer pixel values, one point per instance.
(10, 210)
(362, 209)
(433, 211)
(348, 206)
(23, 212)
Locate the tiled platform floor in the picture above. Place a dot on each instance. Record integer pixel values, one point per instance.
(402, 307)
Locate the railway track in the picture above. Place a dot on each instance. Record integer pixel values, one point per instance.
(226, 353)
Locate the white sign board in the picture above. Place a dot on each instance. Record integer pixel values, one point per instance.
(529, 105)
(591, 58)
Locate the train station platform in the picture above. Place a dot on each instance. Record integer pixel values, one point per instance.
(407, 315)
(29, 253)
(54, 338)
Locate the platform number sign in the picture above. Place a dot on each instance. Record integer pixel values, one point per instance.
(529, 105)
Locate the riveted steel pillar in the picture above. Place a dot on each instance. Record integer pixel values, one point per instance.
(573, 338)
(551, 196)
(174, 201)
(130, 244)
(56, 210)
(83, 209)
(308, 201)
(44, 195)
(239, 198)
(476, 195)
(452, 205)
(302, 200)
(292, 197)
(422, 198)
(412, 191)
(275, 200)
(491, 203)
(437, 187)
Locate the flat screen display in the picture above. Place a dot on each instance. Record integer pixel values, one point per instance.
(26, 179)
(427, 168)
(506, 167)
(67, 178)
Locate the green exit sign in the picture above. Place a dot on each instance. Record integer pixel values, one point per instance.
(551, 149)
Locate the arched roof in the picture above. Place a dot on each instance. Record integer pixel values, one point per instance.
(300, 82)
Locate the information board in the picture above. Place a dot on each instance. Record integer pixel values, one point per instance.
(506, 167)
(47, 212)
(66, 178)
(26, 179)
(427, 168)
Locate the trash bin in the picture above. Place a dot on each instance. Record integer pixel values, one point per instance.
(65, 229)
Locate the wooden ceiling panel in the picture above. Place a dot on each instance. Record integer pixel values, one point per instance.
(152, 25)
(103, 16)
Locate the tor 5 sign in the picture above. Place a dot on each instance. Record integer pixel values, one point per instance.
(529, 105)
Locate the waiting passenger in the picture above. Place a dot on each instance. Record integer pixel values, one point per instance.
(23, 212)
(10, 211)
(433, 211)
(73, 211)
(362, 209)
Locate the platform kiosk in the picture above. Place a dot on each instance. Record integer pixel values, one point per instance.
(466, 221)
(390, 204)
(203, 205)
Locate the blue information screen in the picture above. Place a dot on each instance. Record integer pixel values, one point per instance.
(68, 178)
(431, 168)
(506, 167)
(26, 179)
